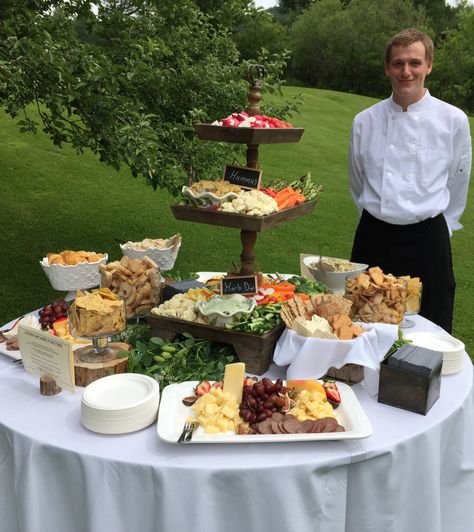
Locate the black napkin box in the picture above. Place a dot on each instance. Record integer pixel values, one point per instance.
(410, 378)
(179, 287)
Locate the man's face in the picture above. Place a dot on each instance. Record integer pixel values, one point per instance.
(407, 70)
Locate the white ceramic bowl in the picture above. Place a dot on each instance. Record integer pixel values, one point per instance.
(335, 281)
(78, 277)
(201, 199)
(220, 319)
(164, 257)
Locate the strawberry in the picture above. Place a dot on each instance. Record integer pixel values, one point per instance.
(332, 393)
(249, 381)
(218, 384)
(202, 388)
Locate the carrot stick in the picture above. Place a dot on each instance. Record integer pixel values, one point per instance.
(290, 202)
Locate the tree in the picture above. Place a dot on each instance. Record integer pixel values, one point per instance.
(128, 87)
(342, 47)
(452, 78)
(260, 30)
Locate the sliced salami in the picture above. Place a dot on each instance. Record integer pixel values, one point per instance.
(265, 427)
(292, 426)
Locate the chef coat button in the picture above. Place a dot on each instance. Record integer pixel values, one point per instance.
(389, 174)
(392, 146)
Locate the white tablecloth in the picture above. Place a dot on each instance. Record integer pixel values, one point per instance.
(415, 473)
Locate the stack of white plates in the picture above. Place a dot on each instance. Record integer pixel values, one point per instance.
(121, 403)
(452, 348)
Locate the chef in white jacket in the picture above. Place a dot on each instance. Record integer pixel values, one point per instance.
(409, 168)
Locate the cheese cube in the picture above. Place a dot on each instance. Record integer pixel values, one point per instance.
(223, 425)
(228, 411)
(211, 409)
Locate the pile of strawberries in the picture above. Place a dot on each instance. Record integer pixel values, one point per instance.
(243, 119)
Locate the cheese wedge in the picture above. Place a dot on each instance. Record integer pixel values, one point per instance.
(234, 375)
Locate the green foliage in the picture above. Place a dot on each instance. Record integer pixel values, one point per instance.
(453, 76)
(127, 87)
(342, 47)
(184, 359)
(260, 30)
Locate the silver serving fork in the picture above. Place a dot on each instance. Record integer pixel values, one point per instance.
(187, 432)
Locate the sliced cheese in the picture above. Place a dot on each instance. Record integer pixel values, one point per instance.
(234, 376)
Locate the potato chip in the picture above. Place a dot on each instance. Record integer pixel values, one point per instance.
(71, 258)
(97, 313)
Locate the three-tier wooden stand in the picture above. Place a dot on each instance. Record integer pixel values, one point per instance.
(255, 350)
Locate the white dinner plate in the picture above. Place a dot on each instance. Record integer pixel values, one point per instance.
(173, 414)
(123, 391)
(437, 342)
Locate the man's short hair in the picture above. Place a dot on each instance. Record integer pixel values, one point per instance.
(407, 37)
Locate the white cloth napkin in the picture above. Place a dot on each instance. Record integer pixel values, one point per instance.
(311, 357)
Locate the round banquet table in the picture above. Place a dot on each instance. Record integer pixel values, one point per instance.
(414, 473)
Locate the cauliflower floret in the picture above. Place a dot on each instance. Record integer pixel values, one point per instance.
(252, 203)
(179, 306)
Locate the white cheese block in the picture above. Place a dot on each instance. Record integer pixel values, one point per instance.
(234, 375)
(316, 327)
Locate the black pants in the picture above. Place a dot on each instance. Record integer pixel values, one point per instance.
(420, 250)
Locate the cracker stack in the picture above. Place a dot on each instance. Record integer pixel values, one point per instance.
(321, 316)
(137, 281)
(377, 297)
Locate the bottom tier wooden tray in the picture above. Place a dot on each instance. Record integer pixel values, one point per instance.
(256, 351)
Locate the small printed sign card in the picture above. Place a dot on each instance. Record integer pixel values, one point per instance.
(45, 354)
(239, 285)
(243, 176)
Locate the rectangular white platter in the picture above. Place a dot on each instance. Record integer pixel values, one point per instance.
(173, 414)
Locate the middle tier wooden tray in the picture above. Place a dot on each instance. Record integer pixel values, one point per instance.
(255, 350)
(241, 221)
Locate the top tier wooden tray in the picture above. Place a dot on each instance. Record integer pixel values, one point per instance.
(248, 135)
(241, 221)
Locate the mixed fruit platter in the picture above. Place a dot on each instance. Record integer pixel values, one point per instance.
(220, 195)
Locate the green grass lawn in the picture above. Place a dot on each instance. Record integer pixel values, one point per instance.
(52, 199)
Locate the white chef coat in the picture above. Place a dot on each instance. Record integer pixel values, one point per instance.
(405, 167)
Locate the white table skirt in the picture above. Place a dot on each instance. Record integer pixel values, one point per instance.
(415, 473)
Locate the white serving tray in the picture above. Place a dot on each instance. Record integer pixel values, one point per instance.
(173, 414)
(16, 354)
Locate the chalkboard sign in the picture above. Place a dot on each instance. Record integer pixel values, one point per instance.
(243, 176)
(239, 285)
